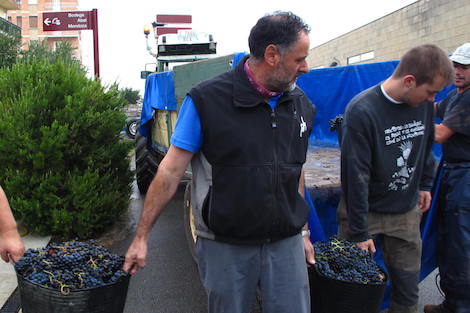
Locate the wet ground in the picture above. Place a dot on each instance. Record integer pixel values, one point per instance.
(322, 168)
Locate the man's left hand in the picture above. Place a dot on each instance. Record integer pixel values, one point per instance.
(309, 251)
(11, 246)
(424, 200)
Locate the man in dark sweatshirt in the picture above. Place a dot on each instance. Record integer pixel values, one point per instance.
(387, 167)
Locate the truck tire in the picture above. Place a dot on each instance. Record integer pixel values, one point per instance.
(146, 163)
(132, 126)
(189, 226)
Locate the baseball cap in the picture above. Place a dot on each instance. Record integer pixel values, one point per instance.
(461, 54)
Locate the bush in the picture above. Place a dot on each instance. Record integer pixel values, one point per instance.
(38, 50)
(10, 45)
(64, 168)
(130, 95)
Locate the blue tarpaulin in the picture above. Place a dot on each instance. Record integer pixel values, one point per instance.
(159, 94)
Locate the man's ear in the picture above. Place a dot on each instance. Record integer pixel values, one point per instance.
(272, 55)
(409, 81)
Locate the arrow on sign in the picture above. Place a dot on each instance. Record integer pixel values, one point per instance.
(54, 21)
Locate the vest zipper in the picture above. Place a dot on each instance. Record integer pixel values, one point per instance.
(293, 129)
(275, 182)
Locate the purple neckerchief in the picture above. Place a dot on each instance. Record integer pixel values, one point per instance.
(263, 91)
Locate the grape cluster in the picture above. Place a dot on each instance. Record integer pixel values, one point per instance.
(343, 260)
(69, 266)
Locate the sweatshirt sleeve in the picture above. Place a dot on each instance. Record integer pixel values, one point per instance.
(355, 173)
(429, 163)
(428, 172)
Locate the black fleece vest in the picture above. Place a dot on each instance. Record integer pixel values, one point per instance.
(256, 155)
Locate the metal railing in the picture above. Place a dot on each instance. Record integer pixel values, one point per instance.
(9, 28)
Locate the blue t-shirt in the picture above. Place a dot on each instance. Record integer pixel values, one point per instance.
(187, 134)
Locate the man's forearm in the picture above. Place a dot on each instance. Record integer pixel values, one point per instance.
(159, 194)
(7, 221)
(163, 188)
(442, 133)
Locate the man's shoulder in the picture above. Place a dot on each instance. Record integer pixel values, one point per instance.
(371, 92)
(298, 92)
(466, 96)
(364, 99)
(455, 100)
(451, 94)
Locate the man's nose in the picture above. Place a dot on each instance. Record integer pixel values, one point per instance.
(304, 67)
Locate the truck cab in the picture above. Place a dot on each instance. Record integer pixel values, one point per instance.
(178, 45)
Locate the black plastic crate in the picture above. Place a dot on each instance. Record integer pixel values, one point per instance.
(102, 299)
(335, 296)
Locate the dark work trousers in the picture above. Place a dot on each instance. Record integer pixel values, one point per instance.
(400, 242)
(454, 237)
(231, 273)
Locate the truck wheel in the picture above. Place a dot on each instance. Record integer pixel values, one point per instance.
(189, 226)
(146, 163)
(131, 127)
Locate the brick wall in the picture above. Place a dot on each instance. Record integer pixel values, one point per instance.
(32, 32)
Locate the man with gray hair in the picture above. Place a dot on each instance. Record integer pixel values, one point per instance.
(453, 253)
(246, 134)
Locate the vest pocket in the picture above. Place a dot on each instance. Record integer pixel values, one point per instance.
(241, 202)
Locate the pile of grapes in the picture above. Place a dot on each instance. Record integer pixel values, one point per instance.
(343, 260)
(69, 266)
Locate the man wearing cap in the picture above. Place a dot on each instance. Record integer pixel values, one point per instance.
(454, 195)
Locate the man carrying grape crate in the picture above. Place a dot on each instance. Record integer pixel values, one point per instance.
(454, 196)
(245, 133)
(387, 167)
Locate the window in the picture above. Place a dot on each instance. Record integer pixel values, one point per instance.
(33, 22)
(361, 57)
(19, 21)
(56, 5)
(32, 1)
(18, 2)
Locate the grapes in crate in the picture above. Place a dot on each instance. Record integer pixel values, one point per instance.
(343, 260)
(69, 266)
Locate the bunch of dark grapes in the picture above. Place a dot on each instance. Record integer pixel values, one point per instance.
(69, 266)
(343, 260)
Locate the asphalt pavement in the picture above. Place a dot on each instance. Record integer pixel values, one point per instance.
(169, 283)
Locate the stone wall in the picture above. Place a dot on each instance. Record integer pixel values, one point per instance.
(445, 23)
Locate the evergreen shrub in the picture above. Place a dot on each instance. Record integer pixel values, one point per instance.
(64, 168)
(130, 95)
(10, 46)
